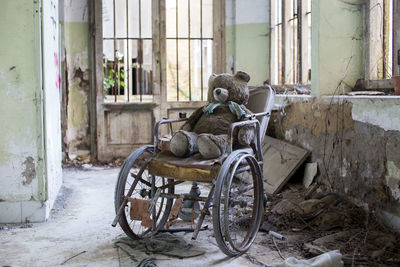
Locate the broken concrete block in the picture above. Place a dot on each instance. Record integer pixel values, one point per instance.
(310, 171)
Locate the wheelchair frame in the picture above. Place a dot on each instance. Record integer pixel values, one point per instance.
(237, 162)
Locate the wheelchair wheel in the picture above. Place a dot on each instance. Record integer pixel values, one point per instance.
(238, 203)
(135, 171)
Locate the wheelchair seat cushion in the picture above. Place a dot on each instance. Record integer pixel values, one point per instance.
(193, 168)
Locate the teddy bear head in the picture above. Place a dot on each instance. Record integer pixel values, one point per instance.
(227, 87)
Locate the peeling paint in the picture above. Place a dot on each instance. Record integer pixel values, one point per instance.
(381, 112)
(30, 172)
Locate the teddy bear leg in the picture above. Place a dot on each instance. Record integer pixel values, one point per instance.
(184, 143)
(212, 146)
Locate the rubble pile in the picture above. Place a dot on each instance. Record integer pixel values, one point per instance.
(314, 223)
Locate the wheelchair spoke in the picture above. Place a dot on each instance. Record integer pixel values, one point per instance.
(142, 191)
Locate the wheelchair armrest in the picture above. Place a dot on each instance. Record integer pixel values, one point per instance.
(252, 121)
(157, 129)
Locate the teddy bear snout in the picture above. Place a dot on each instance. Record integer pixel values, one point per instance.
(221, 95)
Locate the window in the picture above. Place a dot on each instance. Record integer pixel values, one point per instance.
(189, 27)
(380, 21)
(290, 41)
(128, 49)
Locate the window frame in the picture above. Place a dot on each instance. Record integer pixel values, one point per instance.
(159, 37)
(291, 65)
(371, 80)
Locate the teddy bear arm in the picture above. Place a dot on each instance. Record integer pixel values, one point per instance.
(191, 122)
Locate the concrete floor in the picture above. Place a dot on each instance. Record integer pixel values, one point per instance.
(80, 223)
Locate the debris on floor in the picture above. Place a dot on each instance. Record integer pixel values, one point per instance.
(162, 244)
(310, 171)
(317, 223)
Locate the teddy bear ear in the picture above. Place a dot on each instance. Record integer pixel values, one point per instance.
(211, 79)
(241, 75)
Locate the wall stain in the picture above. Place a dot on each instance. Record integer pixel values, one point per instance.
(30, 172)
(83, 77)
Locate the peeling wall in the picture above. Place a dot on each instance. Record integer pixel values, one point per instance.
(247, 38)
(356, 142)
(30, 174)
(76, 61)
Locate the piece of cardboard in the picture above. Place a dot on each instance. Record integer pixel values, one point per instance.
(281, 160)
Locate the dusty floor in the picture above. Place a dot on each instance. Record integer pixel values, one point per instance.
(80, 224)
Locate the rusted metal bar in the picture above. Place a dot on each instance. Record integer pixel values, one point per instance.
(184, 197)
(204, 212)
(170, 184)
(300, 22)
(115, 54)
(157, 129)
(201, 48)
(140, 54)
(190, 66)
(128, 70)
(246, 123)
(140, 68)
(177, 58)
(177, 230)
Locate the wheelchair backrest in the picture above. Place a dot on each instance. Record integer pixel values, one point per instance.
(261, 100)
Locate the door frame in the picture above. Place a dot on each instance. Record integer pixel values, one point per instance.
(160, 107)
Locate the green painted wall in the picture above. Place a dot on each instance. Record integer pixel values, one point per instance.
(30, 149)
(337, 45)
(248, 46)
(21, 160)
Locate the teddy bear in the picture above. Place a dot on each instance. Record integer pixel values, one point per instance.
(206, 130)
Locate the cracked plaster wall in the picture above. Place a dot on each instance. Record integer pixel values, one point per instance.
(76, 61)
(356, 143)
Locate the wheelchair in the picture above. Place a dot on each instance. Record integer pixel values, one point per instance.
(236, 197)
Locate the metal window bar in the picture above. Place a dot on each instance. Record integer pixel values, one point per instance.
(132, 79)
(189, 39)
(115, 54)
(296, 60)
(387, 29)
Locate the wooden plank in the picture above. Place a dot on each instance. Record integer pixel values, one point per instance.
(129, 127)
(385, 85)
(219, 65)
(304, 39)
(281, 160)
